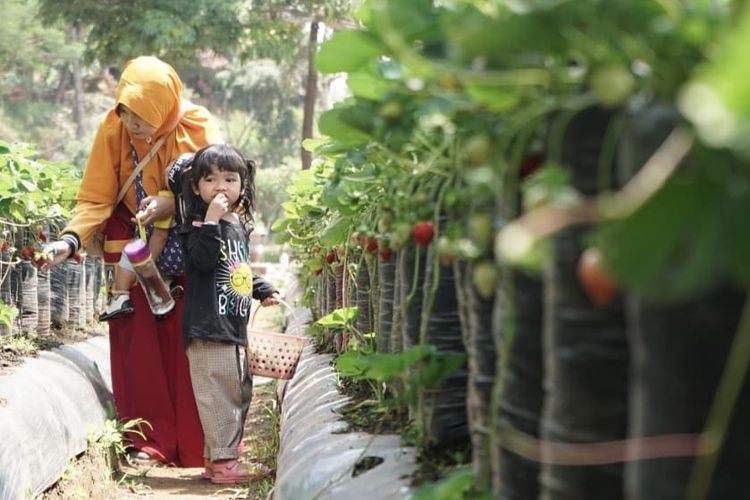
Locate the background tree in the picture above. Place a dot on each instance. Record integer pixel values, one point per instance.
(281, 30)
(175, 30)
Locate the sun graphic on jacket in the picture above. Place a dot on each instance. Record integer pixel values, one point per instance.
(241, 279)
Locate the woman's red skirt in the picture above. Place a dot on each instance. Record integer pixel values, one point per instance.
(150, 373)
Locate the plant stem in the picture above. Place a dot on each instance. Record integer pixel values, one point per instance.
(714, 434)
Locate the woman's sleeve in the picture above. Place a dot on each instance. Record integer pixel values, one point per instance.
(99, 186)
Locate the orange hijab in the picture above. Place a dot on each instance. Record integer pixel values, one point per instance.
(151, 89)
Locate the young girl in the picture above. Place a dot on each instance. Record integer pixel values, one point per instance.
(218, 200)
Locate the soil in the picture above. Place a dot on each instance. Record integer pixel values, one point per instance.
(14, 349)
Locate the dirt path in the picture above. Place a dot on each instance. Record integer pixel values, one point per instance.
(261, 444)
(260, 441)
(89, 476)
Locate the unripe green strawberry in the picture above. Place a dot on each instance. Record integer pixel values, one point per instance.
(480, 230)
(484, 278)
(400, 235)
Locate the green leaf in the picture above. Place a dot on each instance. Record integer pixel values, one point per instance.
(331, 124)
(280, 225)
(672, 247)
(458, 484)
(348, 51)
(379, 366)
(439, 366)
(369, 85)
(342, 317)
(290, 210)
(313, 144)
(336, 232)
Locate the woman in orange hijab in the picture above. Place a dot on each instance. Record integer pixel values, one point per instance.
(150, 376)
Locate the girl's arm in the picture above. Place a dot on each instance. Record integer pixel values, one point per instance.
(262, 289)
(202, 247)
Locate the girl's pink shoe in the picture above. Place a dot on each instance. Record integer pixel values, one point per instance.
(230, 472)
(207, 470)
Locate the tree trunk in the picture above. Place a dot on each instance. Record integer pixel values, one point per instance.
(78, 108)
(62, 84)
(311, 93)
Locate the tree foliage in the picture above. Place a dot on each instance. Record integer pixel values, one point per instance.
(275, 28)
(176, 30)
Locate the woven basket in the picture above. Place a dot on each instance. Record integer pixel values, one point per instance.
(273, 354)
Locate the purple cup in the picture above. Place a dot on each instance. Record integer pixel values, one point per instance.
(137, 251)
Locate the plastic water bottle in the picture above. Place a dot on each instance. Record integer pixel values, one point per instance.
(156, 290)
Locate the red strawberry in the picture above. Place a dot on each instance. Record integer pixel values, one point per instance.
(27, 253)
(423, 231)
(593, 276)
(385, 254)
(77, 257)
(363, 240)
(41, 235)
(4, 246)
(372, 245)
(530, 164)
(330, 257)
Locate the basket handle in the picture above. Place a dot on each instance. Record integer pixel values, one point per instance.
(282, 302)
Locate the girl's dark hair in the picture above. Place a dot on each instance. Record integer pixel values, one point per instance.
(227, 159)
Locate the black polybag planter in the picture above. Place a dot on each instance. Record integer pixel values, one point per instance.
(585, 347)
(362, 300)
(475, 313)
(386, 282)
(23, 279)
(411, 309)
(586, 362)
(44, 298)
(517, 328)
(58, 277)
(441, 409)
(678, 355)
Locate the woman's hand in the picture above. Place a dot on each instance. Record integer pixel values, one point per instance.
(271, 300)
(56, 252)
(156, 208)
